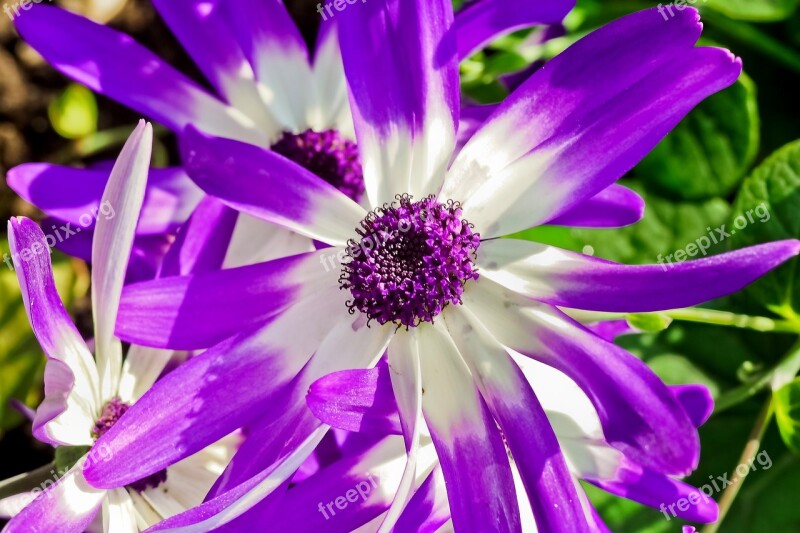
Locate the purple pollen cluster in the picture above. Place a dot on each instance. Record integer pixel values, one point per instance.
(112, 411)
(327, 154)
(412, 260)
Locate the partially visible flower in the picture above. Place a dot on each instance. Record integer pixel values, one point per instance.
(426, 277)
(269, 90)
(85, 396)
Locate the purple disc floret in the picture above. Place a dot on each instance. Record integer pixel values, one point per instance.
(329, 155)
(411, 261)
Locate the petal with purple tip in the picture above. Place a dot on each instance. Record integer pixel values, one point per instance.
(203, 29)
(578, 125)
(400, 60)
(639, 414)
(356, 400)
(349, 344)
(548, 483)
(67, 506)
(481, 22)
(115, 65)
(268, 186)
(198, 311)
(569, 279)
(466, 438)
(272, 43)
(71, 382)
(613, 207)
(630, 480)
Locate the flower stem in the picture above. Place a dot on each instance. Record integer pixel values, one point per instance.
(724, 318)
(778, 376)
(749, 453)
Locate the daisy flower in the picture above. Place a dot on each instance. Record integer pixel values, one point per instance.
(85, 396)
(269, 89)
(425, 276)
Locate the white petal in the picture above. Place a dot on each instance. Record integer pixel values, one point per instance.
(256, 241)
(140, 370)
(118, 513)
(406, 375)
(111, 249)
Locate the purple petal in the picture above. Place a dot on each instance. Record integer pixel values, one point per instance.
(67, 506)
(74, 195)
(225, 388)
(613, 207)
(202, 242)
(469, 446)
(350, 344)
(362, 483)
(611, 329)
(696, 401)
(223, 509)
(146, 254)
(279, 56)
(71, 382)
(268, 186)
(400, 60)
(639, 414)
(485, 20)
(356, 400)
(569, 279)
(555, 502)
(206, 34)
(193, 312)
(659, 491)
(113, 64)
(579, 124)
(428, 510)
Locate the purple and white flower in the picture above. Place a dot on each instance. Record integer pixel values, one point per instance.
(85, 395)
(269, 90)
(427, 278)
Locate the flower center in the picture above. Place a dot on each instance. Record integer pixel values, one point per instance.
(411, 261)
(112, 411)
(327, 154)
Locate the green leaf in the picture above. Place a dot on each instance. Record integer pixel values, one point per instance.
(74, 113)
(666, 228)
(787, 414)
(21, 358)
(766, 209)
(710, 151)
(754, 10)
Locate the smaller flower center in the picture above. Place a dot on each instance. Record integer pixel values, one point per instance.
(327, 154)
(412, 260)
(112, 411)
